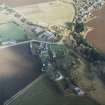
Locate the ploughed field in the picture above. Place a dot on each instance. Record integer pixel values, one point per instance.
(97, 35)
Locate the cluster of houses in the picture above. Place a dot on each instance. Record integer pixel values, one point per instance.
(48, 58)
(85, 7)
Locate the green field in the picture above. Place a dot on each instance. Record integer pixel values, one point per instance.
(11, 31)
(41, 92)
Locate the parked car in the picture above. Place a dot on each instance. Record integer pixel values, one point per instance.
(78, 91)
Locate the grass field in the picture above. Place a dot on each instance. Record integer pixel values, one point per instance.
(40, 92)
(11, 31)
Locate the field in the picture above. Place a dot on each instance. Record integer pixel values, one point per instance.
(90, 82)
(18, 69)
(11, 31)
(16, 3)
(40, 92)
(97, 35)
(50, 13)
(4, 19)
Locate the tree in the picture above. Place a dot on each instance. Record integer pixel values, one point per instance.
(79, 27)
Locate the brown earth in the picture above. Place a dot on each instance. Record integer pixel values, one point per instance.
(22, 2)
(97, 35)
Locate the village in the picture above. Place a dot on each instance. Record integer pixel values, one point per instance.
(63, 50)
